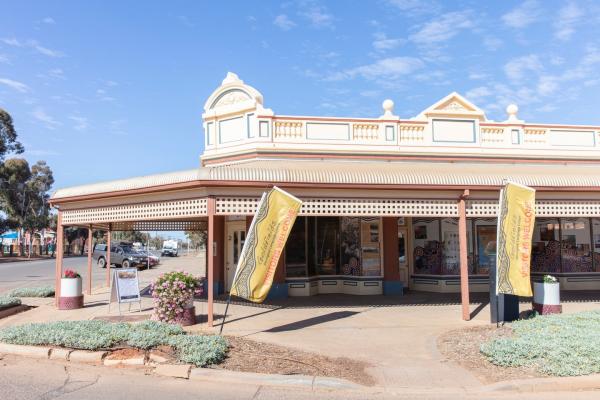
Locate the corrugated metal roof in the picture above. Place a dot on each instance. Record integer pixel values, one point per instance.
(408, 173)
(128, 184)
(364, 172)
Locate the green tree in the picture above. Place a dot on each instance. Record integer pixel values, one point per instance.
(24, 195)
(8, 136)
(197, 238)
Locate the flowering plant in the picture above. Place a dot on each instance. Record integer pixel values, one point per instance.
(172, 292)
(69, 273)
(550, 279)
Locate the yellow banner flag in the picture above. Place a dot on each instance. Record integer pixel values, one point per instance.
(264, 244)
(516, 220)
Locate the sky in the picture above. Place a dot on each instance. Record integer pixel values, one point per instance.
(104, 90)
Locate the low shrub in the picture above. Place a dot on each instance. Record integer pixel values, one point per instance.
(44, 291)
(149, 334)
(9, 301)
(561, 345)
(200, 350)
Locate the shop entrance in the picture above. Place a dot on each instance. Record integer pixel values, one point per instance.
(235, 236)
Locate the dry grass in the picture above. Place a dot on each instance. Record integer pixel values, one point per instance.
(462, 346)
(249, 356)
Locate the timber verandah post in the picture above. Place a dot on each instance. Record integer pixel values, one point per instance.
(210, 255)
(59, 257)
(463, 256)
(108, 255)
(89, 261)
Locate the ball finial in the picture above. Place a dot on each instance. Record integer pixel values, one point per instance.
(512, 110)
(388, 106)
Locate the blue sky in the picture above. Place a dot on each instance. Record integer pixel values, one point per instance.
(106, 90)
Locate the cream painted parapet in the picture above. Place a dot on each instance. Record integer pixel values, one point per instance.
(237, 125)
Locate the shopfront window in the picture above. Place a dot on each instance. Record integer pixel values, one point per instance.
(545, 247)
(351, 252)
(295, 250)
(370, 231)
(334, 246)
(427, 247)
(328, 246)
(485, 241)
(576, 249)
(596, 243)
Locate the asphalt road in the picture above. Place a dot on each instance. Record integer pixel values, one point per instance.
(41, 272)
(28, 379)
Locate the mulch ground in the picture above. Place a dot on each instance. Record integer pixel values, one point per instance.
(462, 347)
(249, 356)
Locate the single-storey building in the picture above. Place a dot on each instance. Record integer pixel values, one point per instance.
(390, 203)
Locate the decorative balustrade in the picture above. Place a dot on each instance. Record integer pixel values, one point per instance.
(288, 129)
(365, 131)
(412, 132)
(491, 134)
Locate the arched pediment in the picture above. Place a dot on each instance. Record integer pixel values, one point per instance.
(232, 95)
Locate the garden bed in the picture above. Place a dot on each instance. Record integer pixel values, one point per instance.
(11, 306)
(43, 291)
(249, 356)
(552, 345)
(158, 343)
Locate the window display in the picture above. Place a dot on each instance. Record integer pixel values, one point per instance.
(351, 254)
(427, 249)
(328, 247)
(334, 246)
(545, 246)
(371, 258)
(295, 250)
(576, 249)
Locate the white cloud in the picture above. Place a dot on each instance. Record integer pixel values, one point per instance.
(49, 20)
(81, 123)
(415, 7)
(48, 121)
(547, 85)
(42, 153)
(387, 68)
(12, 42)
(492, 43)
(16, 85)
(283, 22)
(475, 76)
(4, 59)
(317, 15)
(516, 68)
(478, 94)
(568, 16)
(442, 28)
(523, 15)
(33, 44)
(383, 43)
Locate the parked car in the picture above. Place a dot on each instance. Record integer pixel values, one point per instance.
(170, 248)
(121, 255)
(154, 259)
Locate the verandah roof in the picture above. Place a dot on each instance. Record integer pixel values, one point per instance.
(397, 173)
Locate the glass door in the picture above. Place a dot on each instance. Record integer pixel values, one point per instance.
(236, 236)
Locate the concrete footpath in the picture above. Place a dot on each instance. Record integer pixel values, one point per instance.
(396, 336)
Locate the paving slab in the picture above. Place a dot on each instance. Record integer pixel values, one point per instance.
(60, 354)
(173, 370)
(126, 361)
(83, 356)
(26, 351)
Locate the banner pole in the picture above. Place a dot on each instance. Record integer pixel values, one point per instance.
(225, 315)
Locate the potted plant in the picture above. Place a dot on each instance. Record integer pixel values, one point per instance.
(71, 295)
(546, 296)
(173, 294)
